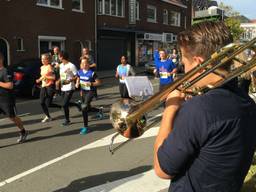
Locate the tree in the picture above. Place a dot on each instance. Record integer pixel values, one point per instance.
(228, 10)
(231, 20)
(234, 26)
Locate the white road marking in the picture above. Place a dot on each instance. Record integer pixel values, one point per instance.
(21, 115)
(147, 181)
(99, 143)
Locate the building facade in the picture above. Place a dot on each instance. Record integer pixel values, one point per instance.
(30, 28)
(135, 28)
(249, 31)
(110, 28)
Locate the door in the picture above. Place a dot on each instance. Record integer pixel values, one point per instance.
(110, 52)
(76, 53)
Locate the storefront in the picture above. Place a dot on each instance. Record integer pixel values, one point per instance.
(146, 43)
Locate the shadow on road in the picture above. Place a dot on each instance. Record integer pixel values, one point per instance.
(15, 134)
(95, 180)
(101, 127)
(27, 122)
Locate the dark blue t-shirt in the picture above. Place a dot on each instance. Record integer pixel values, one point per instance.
(85, 77)
(212, 143)
(163, 68)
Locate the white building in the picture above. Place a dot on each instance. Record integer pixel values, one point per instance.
(249, 31)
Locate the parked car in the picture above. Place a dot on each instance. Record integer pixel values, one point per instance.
(150, 67)
(25, 74)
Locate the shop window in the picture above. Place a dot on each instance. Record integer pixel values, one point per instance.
(50, 3)
(165, 17)
(151, 13)
(175, 18)
(77, 5)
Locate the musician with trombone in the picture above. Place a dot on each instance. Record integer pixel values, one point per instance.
(207, 142)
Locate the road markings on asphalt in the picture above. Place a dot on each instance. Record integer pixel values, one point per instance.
(21, 115)
(136, 183)
(99, 143)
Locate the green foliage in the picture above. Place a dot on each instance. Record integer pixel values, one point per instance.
(234, 26)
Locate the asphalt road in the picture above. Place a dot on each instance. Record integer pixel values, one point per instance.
(44, 162)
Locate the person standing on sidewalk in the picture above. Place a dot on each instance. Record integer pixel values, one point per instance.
(7, 99)
(56, 67)
(87, 80)
(165, 68)
(123, 70)
(68, 73)
(47, 88)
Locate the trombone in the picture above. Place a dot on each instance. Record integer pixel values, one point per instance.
(129, 119)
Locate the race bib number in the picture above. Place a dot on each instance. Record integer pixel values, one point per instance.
(84, 86)
(164, 75)
(63, 76)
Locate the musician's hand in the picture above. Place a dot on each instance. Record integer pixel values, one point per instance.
(175, 99)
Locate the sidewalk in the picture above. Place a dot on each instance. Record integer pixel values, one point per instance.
(111, 73)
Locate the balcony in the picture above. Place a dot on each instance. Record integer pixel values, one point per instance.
(209, 12)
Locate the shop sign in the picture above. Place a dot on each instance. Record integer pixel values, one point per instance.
(168, 37)
(132, 11)
(153, 36)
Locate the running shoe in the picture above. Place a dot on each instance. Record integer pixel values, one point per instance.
(78, 105)
(66, 123)
(46, 119)
(84, 130)
(23, 137)
(100, 114)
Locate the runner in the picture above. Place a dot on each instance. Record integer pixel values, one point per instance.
(67, 78)
(123, 70)
(47, 89)
(87, 80)
(165, 68)
(7, 100)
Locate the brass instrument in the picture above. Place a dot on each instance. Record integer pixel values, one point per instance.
(129, 120)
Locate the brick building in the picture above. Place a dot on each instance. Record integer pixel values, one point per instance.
(110, 28)
(30, 28)
(135, 28)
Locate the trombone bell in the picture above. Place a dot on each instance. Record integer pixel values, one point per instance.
(123, 125)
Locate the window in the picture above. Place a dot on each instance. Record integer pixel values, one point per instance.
(111, 7)
(88, 44)
(165, 17)
(20, 44)
(77, 5)
(137, 10)
(46, 43)
(151, 13)
(175, 18)
(100, 7)
(50, 3)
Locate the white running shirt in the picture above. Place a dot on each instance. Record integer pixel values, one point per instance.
(67, 72)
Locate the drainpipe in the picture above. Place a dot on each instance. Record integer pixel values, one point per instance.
(95, 33)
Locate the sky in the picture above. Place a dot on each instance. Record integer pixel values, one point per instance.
(244, 7)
